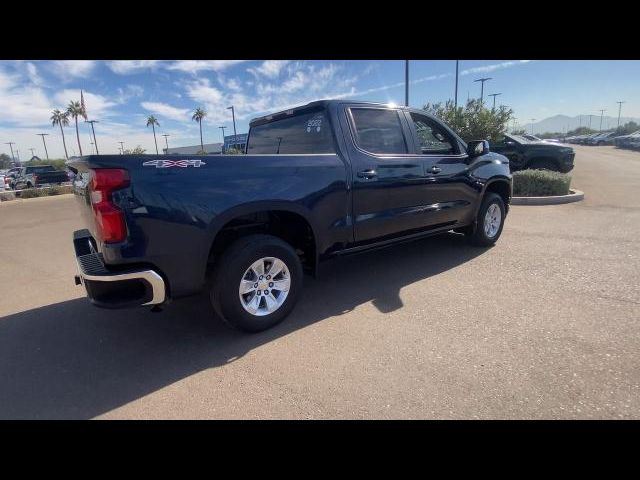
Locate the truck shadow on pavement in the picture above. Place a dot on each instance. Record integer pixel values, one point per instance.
(72, 360)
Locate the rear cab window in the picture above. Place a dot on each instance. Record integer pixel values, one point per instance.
(306, 132)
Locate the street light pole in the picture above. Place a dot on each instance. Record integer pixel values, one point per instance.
(165, 135)
(494, 95)
(121, 148)
(619, 110)
(11, 144)
(32, 150)
(44, 143)
(482, 80)
(532, 120)
(95, 142)
(233, 114)
(456, 97)
(590, 121)
(222, 128)
(406, 83)
(601, 114)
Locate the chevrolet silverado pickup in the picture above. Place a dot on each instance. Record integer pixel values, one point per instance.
(527, 154)
(38, 175)
(325, 179)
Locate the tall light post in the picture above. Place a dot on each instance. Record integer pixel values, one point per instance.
(456, 96)
(602, 110)
(121, 148)
(95, 142)
(619, 110)
(11, 144)
(590, 121)
(532, 120)
(44, 143)
(222, 128)
(32, 150)
(91, 143)
(233, 114)
(482, 80)
(406, 83)
(165, 135)
(494, 95)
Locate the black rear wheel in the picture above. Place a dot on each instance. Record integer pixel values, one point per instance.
(256, 282)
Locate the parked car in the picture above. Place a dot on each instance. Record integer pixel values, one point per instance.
(3, 185)
(626, 141)
(10, 176)
(326, 179)
(38, 175)
(525, 154)
(605, 138)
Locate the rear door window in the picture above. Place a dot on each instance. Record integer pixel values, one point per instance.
(304, 133)
(379, 131)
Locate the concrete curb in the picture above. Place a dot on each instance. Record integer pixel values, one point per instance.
(574, 196)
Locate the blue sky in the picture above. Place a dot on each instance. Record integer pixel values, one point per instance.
(121, 94)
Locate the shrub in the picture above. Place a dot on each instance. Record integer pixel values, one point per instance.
(32, 193)
(540, 183)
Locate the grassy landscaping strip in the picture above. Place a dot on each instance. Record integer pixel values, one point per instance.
(35, 192)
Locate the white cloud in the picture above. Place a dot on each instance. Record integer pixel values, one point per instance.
(167, 111)
(97, 105)
(491, 68)
(68, 69)
(125, 67)
(195, 66)
(269, 68)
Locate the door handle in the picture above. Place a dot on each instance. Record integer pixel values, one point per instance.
(367, 173)
(435, 169)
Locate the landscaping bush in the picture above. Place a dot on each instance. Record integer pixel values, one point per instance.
(32, 193)
(540, 183)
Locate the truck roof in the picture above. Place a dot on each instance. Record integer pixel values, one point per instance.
(312, 105)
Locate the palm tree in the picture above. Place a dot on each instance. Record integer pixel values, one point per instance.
(75, 110)
(62, 119)
(198, 115)
(153, 121)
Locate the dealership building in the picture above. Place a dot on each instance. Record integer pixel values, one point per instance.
(230, 141)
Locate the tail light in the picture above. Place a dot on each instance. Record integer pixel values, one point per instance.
(111, 227)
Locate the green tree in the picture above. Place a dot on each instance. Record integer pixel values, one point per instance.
(627, 128)
(75, 110)
(153, 121)
(136, 151)
(5, 161)
(61, 119)
(580, 131)
(198, 116)
(234, 151)
(473, 121)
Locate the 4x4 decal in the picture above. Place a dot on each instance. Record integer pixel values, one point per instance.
(173, 163)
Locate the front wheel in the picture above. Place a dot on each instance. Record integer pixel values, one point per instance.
(256, 282)
(490, 221)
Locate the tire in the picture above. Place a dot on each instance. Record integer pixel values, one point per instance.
(480, 237)
(234, 267)
(543, 165)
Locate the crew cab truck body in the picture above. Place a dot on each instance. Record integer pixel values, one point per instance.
(326, 179)
(38, 175)
(526, 154)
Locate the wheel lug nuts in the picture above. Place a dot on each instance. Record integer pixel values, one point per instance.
(270, 284)
(259, 292)
(266, 292)
(268, 277)
(255, 285)
(260, 277)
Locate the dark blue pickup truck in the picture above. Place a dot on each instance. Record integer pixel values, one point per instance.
(325, 179)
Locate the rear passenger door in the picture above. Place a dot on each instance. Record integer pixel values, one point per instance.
(388, 178)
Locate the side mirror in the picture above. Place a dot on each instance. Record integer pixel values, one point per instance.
(475, 148)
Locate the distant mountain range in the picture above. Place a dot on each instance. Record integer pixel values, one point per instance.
(563, 123)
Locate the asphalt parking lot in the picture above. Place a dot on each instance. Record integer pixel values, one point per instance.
(546, 324)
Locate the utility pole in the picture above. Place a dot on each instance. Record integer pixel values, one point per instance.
(32, 150)
(482, 88)
(165, 135)
(44, 143)
(11, 144)
(233, 114)
(91, 143)
(456, 97)
(532, 120)
(619, 110)
(590, 121)
(121, 148)
(406, 83)
(222, 128)
(494, 95)
(601, 114)
(94, 133)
